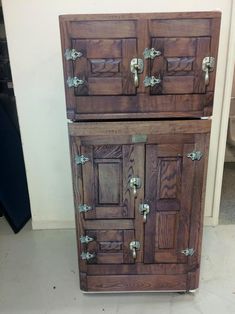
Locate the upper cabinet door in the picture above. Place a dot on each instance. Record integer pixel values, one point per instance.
(139, 65)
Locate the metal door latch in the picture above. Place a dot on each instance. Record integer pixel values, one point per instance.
(135, 183)
(134, 246)
(72, 54)
(144, 210)
(85, 239)
(208, 65)
(188, 252)
(74, 81)
(151, 53)
(81, 159)
(151, 81)
(87, 256)
(136, 67)
(195, 155)
(83, 208)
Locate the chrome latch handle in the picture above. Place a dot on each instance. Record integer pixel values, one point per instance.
(135, 183)
(144, 210)
(134, 246)
(136, 67)
(208, 65)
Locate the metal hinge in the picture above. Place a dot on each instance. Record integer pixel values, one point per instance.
(74, 81)
(151, 53)
(81, 159)
(151, 81)
(72, 54)
(195, 155)
(188, 252)
(85, 239)
(83, 208)
(87, 256)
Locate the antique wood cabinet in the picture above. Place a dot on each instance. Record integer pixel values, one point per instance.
(137, 86)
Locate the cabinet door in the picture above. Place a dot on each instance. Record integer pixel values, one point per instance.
(172, 186)
(171, 193)
(170, 82)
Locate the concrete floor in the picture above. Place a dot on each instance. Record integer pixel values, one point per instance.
(38, 274)
(227, 205)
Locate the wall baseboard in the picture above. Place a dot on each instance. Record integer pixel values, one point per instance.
(51, 224)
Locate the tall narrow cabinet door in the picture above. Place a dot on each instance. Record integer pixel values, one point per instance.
(170, 175)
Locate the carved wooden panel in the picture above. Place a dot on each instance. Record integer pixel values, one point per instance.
(111, 246)
(180, 65)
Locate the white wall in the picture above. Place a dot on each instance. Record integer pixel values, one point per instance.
(34, 46)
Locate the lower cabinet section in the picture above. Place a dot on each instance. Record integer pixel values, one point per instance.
(138, 193)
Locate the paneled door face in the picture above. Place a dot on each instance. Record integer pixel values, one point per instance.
(139, 65)
(106, 181)
(169, 193)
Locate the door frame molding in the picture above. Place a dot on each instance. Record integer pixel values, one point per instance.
(223, 125)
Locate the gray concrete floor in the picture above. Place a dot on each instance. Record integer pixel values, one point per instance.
(227, 205)
(38, 274)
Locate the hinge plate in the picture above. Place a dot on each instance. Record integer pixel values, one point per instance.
(195, 155)
(151, 53)
(81, 159)
(152, 81)
(87, 256)
(85, 239)
(74, 81)
(188, 252)
(83, 208)
(72, 54)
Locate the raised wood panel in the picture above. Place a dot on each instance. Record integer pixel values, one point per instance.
(105, 86)
(105, 66)
(179, 47)
(104, 48)
(180, 27)
(166, 228)
(110, 246)
(109, 182)
(183, 64)
(102, 29)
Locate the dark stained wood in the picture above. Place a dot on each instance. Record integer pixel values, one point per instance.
(136, 282)
(180, 27)
(109, 42)
(143, 127)
(138, 268)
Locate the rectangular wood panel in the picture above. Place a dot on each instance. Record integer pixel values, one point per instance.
(137, 282)
(102, 29)
(105, 86)
(180, 27)
(104, 48)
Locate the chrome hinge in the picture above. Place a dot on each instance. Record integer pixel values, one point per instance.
(151, 53)
(81, 159)
(72, 54)
(83, 208)
(87, 256)
(188, 252)
(195, 155)
(74, 81)
(85, 239)
(151, 81)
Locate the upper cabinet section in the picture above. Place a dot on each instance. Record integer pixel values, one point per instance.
(124, 66)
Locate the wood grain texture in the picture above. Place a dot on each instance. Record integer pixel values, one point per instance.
(136, 282)
(109, 42)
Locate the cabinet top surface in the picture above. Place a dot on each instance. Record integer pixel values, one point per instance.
(158, 15)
